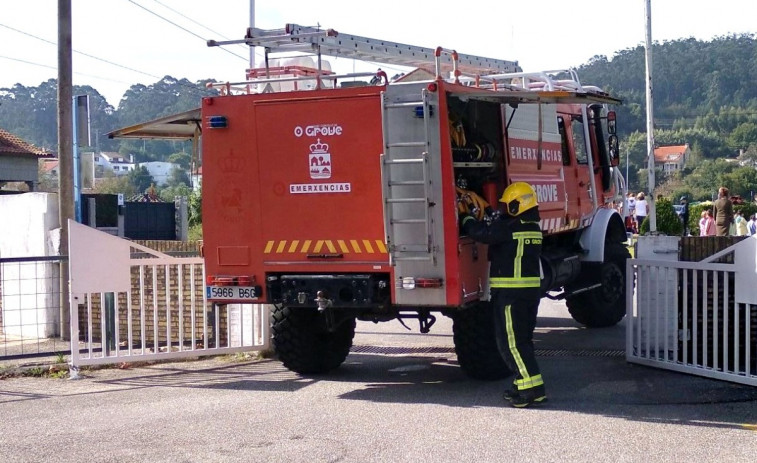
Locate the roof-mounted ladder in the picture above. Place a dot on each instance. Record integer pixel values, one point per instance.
(332, 43)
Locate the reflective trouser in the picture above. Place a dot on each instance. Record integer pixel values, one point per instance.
(515, 320)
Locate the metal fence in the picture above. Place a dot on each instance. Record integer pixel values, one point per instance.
(687, 317)
(30, 307)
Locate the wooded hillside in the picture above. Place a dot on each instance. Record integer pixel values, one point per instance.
(704, 95)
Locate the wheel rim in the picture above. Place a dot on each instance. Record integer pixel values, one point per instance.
(612, 283)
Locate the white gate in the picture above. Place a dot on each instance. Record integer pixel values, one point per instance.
(131, 303)
(696, 317)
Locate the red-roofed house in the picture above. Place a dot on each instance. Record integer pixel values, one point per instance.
(19, 160)
(671, 158)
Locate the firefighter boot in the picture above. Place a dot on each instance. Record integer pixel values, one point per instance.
(528, 397)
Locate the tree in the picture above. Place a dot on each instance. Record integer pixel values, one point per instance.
(178, 176)
(141, 179)
(195, 207)
(169, 194)
(741, 181)
(743, 136)
(115, 185)
(182, 159)
(707, 178)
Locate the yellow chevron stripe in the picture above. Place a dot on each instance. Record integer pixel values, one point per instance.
(343, 246)
(368, 247)
(356, 246)
(332, 246)
(305, 246)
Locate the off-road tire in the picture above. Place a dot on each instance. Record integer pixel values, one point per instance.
(475, 338)
(304, 345)
(606, 305)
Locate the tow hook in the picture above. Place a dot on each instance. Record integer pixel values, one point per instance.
(322, 301)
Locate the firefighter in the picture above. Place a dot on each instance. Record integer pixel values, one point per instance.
(515, 241)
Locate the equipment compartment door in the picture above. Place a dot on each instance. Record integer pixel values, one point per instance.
(320, 182)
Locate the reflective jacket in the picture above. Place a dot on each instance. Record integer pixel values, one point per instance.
(514, 248)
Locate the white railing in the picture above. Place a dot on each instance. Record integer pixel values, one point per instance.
(127, 309)
(687, 317)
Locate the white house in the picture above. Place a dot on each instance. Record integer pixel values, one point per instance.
(671, 158)
(115, 163)
(160, 170)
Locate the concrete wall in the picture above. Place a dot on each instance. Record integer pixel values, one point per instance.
(25, 224)
(18, 169)
(30, 298)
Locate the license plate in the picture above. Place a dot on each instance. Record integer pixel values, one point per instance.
(232, 293)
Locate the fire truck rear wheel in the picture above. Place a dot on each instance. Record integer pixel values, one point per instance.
(475, 340)
(304, 345)
(606, 305)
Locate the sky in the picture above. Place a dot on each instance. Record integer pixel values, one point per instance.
(118, 43)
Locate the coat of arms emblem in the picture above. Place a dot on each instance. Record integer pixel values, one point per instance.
(320, 160)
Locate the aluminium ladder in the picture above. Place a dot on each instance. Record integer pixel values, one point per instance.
(405, 168)
(296, 38)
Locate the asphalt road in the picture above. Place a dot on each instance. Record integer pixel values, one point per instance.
(400, 397)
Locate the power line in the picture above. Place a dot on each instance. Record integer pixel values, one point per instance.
(81, 53)
(183, 28)
(55, 68)
(201, 25)
(29, 62)
(87, 55)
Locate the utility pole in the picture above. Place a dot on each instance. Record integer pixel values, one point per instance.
(650, 119)
(65, 155)
(252, 24)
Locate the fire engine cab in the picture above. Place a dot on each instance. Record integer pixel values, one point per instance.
(334, 198)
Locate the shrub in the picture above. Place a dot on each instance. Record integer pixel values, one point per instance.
(668, 221)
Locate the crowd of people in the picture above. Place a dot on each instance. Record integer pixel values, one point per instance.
(721, 220)
(637, 211)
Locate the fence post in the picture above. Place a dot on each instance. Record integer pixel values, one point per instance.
(109, 344)
(182, 218)
(92, 206)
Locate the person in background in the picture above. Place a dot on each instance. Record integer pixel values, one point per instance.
(751, 226)
(710, 229)
(641, 209)
(703, 223)
(740, 221)
(723, 212)
(685, 215)
(631, 205)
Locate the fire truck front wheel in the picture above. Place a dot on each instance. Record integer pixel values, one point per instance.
(475, 340)
(304, 344)
(606, 305)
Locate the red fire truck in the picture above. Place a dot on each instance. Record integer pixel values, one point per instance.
(336, 200)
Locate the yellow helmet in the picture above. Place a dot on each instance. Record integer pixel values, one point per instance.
(519, 197)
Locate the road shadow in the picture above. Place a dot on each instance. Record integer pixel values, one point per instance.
(607, 386)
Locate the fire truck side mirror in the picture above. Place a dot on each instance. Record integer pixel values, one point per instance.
(612, 141)
(611, 122)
